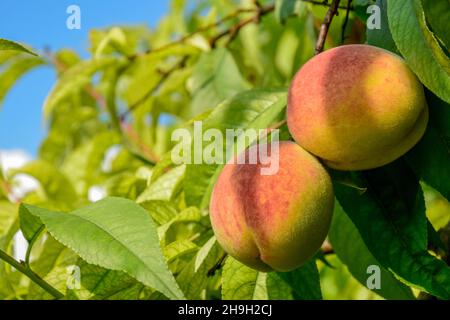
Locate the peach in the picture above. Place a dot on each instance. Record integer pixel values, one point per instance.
(356, 107)
(273, 222)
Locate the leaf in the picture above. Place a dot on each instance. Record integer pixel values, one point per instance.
(55, 184)
(9, 225)
(11, 45)
(426, 58)
(161, 211)
(165, 187)
(52, 266)
(75, 79)
(390, 217)
(303, 282)
(430, 158)
(15, 69)
(215, 78)
(351, 250)
(98, 283)
(203, 253)
(115, 39)
(84, 164)
(437, 14)
(29, 224)
(178, 249)
(286, 8)
(188, 215)
(243, 283)
(240, 282)
(192, 281)
(255, 109)
(382, 37)
(115, 234)
(57, 264)
(8, 215)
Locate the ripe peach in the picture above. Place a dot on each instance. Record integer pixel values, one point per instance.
(273, 222)
(357, 107)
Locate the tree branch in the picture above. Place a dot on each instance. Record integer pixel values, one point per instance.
(234, 29)
(30, 274)
(325, 3)
(332, 11)
(164, 76)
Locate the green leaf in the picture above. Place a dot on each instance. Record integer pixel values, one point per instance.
(203, 253)
(11, 45)
(382, 37)
(98, 283)
(286, 8)
(74, 79)
(55, 185)
(303, 282)
(60, 266)
(430, 158)
(29, 224)
(178, 249)
(161, 211)
(437, 206)
(83, 165)
(15, 69)
(390, 217)
(165, 187)
(243, 283)
(437, 14)
(51, 265)
(255, 109)
(8, 215)
(426, 58)
(215, 78)
(240, 282)
(193, 280)
(115, 234)
(188, 215)
(350, 248)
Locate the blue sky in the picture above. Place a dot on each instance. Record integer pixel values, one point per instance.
(43, 24)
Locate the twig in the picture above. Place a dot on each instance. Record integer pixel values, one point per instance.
(30, 274)
(325, 3)
(332, 11)
(31, 244)
(206, 28)
(344, 25)
(164, 76)
(234, 29)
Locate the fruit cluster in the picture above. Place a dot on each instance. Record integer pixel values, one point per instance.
(354, 107)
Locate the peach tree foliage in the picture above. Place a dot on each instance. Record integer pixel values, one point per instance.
(229, 66)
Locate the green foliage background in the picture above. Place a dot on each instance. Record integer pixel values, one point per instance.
(227, 63)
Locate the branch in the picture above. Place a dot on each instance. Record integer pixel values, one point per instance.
(332, 11)
(326, 4)
(30, 274)
(165, 75)
(206, 28)
(234, 29)
(31, 244)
